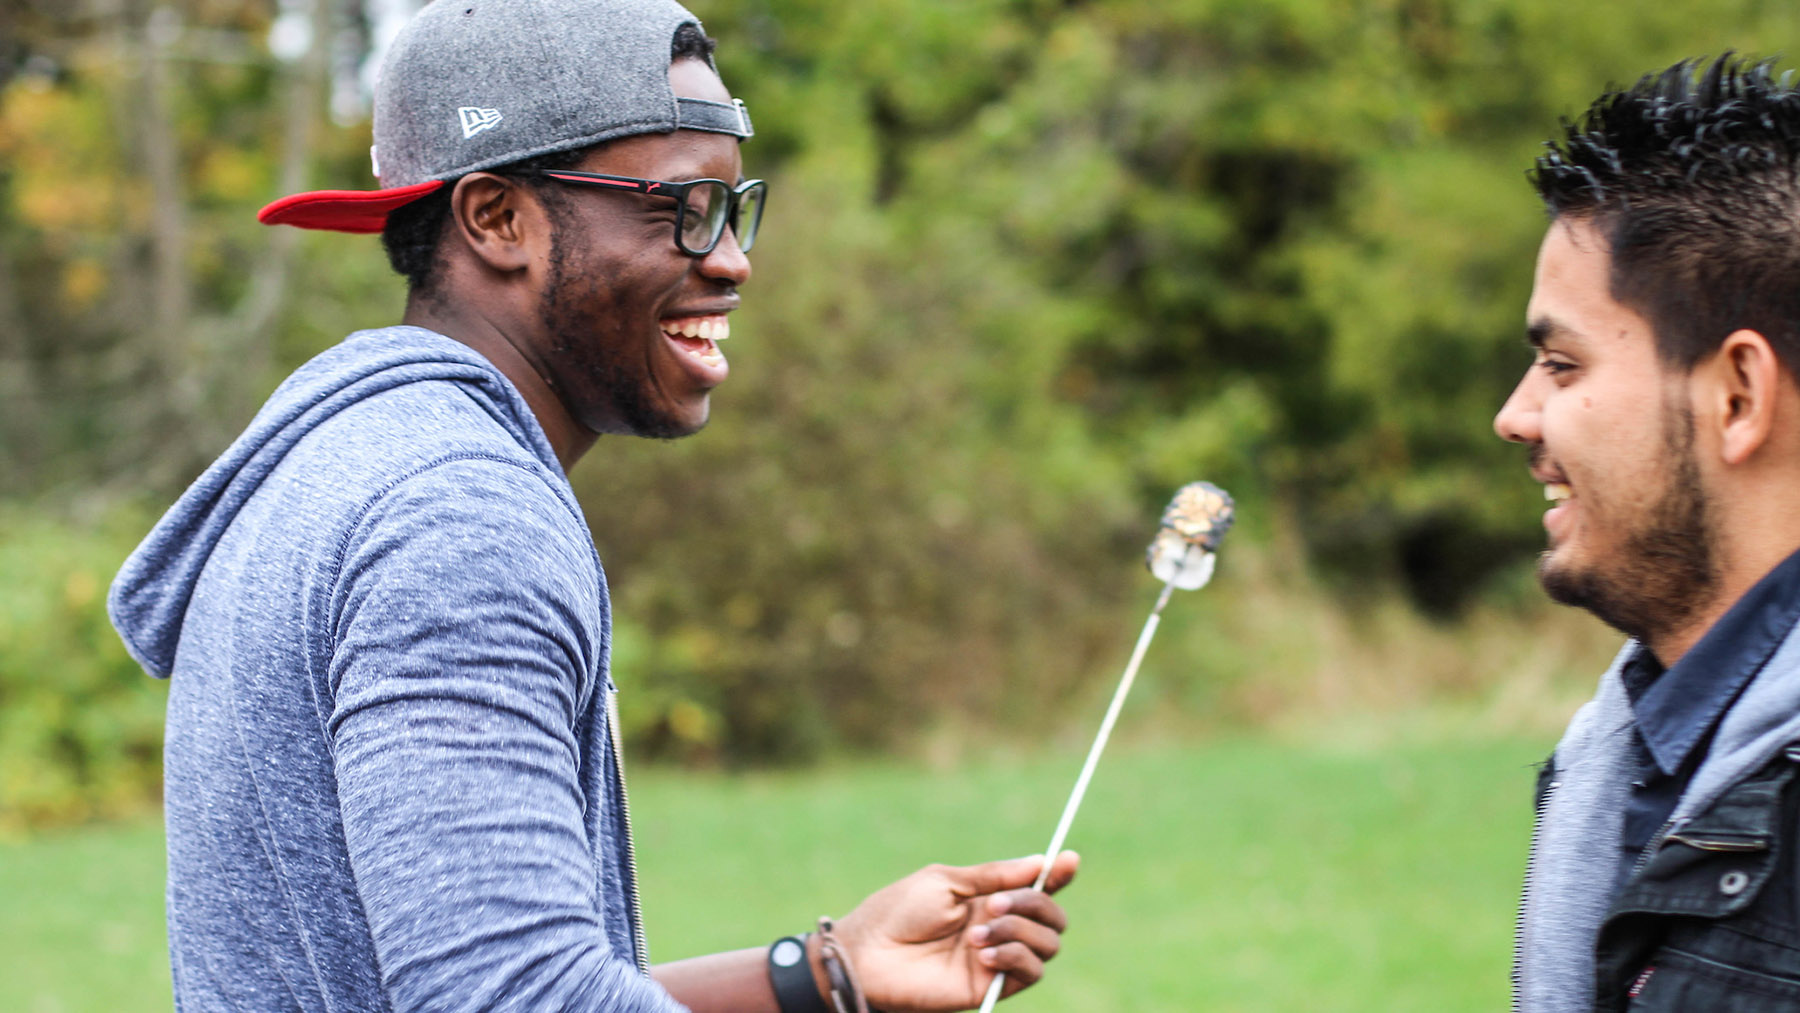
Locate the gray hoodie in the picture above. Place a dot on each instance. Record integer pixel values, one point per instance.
(388, 777)
(1575, 849)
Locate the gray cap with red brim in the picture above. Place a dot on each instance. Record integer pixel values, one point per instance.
(476, 84)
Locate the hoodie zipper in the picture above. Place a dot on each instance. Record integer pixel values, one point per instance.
(1537, 823)
(640, 945)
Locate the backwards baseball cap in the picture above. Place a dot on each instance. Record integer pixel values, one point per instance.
(477, 84)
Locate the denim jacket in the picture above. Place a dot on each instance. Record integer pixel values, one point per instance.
(1710, 920)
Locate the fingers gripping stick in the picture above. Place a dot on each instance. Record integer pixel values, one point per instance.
(1181, 556)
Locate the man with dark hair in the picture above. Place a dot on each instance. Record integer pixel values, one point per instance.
(392, 775)
(1662, 414)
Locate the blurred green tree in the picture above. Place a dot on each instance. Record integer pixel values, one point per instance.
(1029, 265)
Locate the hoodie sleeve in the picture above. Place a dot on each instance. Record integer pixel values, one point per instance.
(467, 640)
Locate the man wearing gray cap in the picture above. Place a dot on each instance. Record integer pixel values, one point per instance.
(392, 774)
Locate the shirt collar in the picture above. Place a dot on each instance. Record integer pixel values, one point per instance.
(1675, 709)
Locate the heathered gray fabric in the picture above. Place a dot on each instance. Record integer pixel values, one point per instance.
(558, 74)
(1574, 852)
(1575, 849)
(388, 775)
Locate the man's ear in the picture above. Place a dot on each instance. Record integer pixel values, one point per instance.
(1748, 378)
(497, 220)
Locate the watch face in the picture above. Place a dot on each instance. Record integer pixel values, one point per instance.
(787, 953)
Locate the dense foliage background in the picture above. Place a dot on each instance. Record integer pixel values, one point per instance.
(1029, 265)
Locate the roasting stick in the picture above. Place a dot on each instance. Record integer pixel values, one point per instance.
(1106, 726)
(1181, 556)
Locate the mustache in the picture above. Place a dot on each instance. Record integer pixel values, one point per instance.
(1534, 455)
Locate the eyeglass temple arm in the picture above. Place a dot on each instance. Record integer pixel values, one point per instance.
(621, 182)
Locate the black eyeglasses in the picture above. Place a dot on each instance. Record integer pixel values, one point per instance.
(703, 206)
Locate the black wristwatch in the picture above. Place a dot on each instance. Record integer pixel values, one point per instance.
(790, 973)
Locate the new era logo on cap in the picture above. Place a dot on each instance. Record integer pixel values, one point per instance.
(474, 120)
(609, 60)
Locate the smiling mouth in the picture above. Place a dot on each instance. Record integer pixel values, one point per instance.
(699, 336)
(1558, 492)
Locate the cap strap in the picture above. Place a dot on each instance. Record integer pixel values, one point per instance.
(715, 117)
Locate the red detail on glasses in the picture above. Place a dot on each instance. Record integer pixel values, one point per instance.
(593, 179)
(653, 185)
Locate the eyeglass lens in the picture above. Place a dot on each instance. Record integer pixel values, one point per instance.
(749, 215)
(709, 204)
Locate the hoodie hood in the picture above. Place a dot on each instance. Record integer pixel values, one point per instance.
(149, 598)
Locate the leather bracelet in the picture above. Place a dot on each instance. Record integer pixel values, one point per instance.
(790, 975)
(846, 991)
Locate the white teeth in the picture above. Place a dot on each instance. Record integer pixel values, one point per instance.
(1556, 492)
(708, 328)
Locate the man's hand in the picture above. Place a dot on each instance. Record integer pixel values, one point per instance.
(934, 940)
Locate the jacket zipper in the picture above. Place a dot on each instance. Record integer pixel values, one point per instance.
(1537, 822)
(1657, 840)
(1643, 859)
(640, 945)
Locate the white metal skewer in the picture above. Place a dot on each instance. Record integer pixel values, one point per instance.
(1093, 759)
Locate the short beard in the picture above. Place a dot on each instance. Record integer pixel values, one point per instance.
(1666, 570)
(563, 313)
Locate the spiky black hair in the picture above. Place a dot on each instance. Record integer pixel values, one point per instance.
(1692, 176)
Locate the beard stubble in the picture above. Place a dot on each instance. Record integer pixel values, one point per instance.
(1666, 569)
(569, 308)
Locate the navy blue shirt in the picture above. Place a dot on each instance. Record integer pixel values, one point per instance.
(1675, 711)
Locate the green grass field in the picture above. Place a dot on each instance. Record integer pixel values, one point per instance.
(1241, 875)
